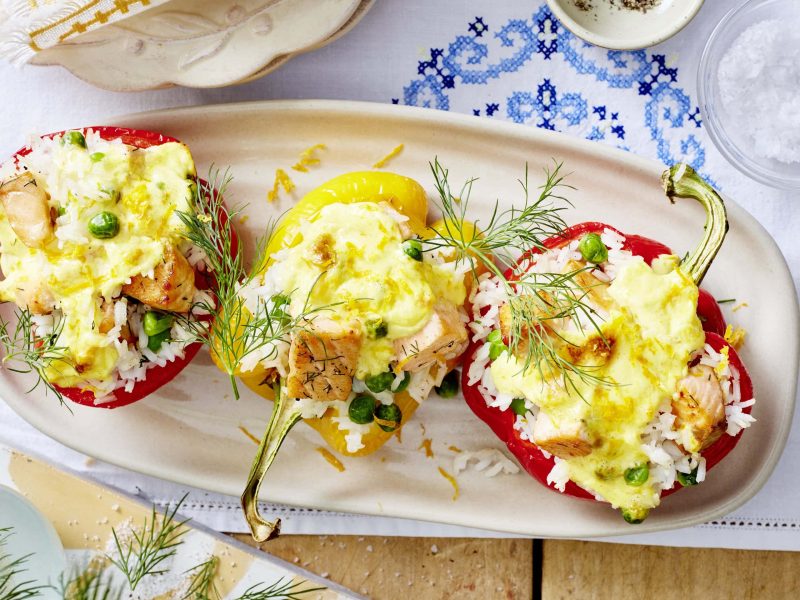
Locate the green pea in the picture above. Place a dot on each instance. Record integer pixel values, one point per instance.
(593, 249)
(104, 225)
(97, 156)
(413, 248)
(518, 406)
(74, 138)
(380, 382)
(450, 384)
(154, 341)
(61, 211)
(496, 349)
(390, 414)
(637, 475)
(688, 479)
(634, 517)
(362, 409)
(403, 384)
(155, 322)
(376, 328)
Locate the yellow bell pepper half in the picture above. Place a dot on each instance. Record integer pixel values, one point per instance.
(408, 198)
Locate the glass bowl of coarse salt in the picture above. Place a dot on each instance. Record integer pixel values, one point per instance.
(749, 89)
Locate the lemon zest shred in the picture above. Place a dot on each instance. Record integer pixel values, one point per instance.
(327, 455)
(399, 435)
(308, 158)
(253, 438)
(455, 449)
(426, 445)
(282, 180)
(735, 336)
(452, 481)
(385, 160)
(724, 361)
(244, 219)
(740, 306)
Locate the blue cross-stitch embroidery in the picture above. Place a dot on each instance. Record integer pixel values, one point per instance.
(545, 52)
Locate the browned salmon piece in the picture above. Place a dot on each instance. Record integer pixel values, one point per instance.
(596, 291)
(322, 360)
(568, 440)
(443, 337)
(27, 210)
(699, 406)
(36, 297)
(171, 288)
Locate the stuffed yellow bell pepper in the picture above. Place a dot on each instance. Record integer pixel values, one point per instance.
(347, 324)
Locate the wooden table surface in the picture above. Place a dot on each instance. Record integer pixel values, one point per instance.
(455, 568)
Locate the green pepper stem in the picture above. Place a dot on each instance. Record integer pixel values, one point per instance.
(284, 416)
(682, 181)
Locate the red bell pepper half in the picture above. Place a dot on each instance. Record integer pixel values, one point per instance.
(679, 181)
(156, 376)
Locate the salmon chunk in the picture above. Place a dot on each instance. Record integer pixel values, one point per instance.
(568, 440)
(36, 297)
(27, 210)
(443, 337)
(699, 407)
(322, 360)
(171, 287)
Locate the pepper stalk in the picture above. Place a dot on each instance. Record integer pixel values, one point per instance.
(682, 181)
(286, 413)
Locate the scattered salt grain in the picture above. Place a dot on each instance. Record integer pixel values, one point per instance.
(369, 548)
(434, 549)
(758, 81)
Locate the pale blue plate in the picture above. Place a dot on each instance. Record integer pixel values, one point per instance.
(32, 534)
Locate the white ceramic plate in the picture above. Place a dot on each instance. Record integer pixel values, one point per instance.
(203, 44)
(188, 432)
(35, 536)
(609, 26)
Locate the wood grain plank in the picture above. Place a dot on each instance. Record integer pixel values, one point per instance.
(430, 568)
(599, 571)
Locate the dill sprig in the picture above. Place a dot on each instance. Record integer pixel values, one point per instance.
(25, 352)
(535, 300)
(88, 584)
(147, 549)
(10, 570)
(289, 590)
(235, 332)
(201, 584)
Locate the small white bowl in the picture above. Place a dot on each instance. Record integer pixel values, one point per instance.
(624, 29)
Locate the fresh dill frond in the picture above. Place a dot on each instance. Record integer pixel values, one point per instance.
(534, 299)
(143, 552)
(235, 332)
(11, 568)
(88, 584)
(288, 590)
(26, 352)
(201, 584)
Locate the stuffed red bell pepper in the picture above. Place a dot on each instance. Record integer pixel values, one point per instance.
(602, 365)
(94, 254)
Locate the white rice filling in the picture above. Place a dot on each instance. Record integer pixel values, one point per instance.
(660, 439)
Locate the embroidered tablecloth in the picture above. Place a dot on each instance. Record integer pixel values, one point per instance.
(502, 60)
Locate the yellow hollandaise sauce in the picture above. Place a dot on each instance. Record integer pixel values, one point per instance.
(142, 188)
(351, 258)
(653, 330)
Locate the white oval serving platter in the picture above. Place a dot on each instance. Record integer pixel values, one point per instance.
(189, 431)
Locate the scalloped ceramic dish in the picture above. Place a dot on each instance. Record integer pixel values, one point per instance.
(189, 431)
(203, 44)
